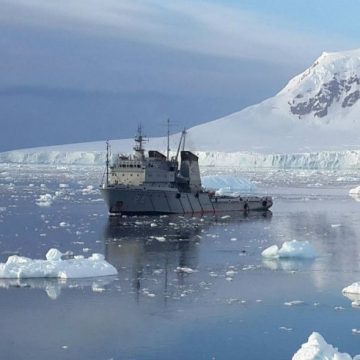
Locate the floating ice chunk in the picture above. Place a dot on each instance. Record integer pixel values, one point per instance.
(153, 225)
(185, 270)
(54, 267)
(290, 249)
(88, 190)
(355, 191)
(352, 292)
(335, 225)
(285, 328)
(354, 288)
(318, 349)
(63, 186)
(294, 302)
(63, 224)
(45, 200)
(271, 252)
(225, 217)
(230, 273)
(160, 238)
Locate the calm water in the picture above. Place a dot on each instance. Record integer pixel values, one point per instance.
(153, 311)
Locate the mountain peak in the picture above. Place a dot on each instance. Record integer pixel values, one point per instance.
(330, 84)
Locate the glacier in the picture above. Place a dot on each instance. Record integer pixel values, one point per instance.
(333, 160)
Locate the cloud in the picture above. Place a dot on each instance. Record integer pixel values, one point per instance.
(197, 26)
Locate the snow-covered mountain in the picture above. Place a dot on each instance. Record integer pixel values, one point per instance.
(315, 119)
(318, 109)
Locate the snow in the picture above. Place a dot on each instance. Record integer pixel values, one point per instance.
(290, 249)
(54, 267)
(316, 348)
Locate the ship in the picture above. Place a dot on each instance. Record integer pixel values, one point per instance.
(158, 184)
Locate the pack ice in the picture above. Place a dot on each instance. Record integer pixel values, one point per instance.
(290, 249)
(316, 348)
(55, 267)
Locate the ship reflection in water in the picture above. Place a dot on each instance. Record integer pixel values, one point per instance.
(156, 254)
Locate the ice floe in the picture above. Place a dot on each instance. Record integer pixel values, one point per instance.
(45, 200)
(294, 303)
(352, 292)
(185, 270)
(316, 348)
(355, 191)
(290, 249)
(55, 267)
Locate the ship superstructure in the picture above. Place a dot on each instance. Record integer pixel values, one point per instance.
(157, 184)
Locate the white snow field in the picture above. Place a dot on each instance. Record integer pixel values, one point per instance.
(312, 123)
(290, 249)
(316, 348)
(55, 267)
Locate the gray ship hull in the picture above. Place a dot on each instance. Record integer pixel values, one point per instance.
(132, 200)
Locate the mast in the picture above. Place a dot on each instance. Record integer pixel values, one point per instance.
(184, 138)
(139, 139)
(168, 140)
(107, 162)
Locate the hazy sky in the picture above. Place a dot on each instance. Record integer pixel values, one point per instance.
(81, 70)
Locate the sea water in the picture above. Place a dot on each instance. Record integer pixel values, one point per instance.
(187, 287)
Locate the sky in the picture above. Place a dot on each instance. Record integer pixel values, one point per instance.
(85, 70)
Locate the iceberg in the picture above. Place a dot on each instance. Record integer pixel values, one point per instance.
(54, 266)
(290, 249)
(316, 348)
(227, 185)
